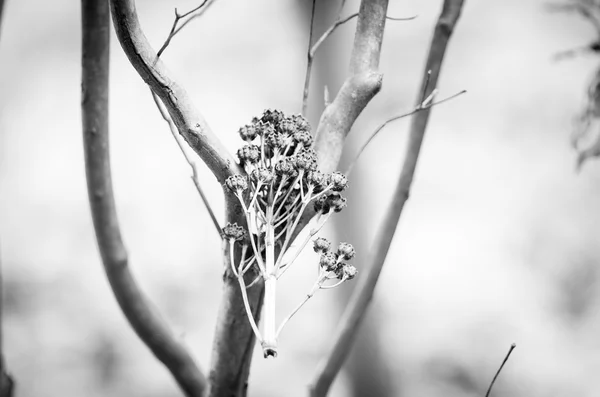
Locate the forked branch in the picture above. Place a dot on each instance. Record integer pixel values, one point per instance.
(143, 318)
(352, 317)
(184, 114)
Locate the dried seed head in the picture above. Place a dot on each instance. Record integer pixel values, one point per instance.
(316, 179)
(348, 271)
(248, 133)
(303, 138)
(249, 154)
(272, 116)
(306, 160)
(237, 183)
(321, 245)
(322, 205)
(328, 261)
(346, 251)
(232, 231)
(301, 122)
(263, 175)
(285, 167)
(338, 180)
(337, 202)
(275, 140)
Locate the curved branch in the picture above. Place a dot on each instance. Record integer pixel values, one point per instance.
(356, 92)
(152, 70)
(143, 318)
(352, 317)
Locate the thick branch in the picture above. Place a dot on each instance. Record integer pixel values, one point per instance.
(186, 117)
(6, 381)
(356, 92)
(234, 339)
(94, 103)
(349, 324)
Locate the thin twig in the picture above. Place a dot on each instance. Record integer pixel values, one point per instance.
(140, 313)
(312, 49)
(355, 312)
(175, 29)
(184, 114)
(512, 347)
(390, 120)
(189, 157)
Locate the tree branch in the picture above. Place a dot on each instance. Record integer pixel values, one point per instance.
(6, 381)
(186, 117)
(510, 350)
(143, 318)
(356, 92)
(348, 326)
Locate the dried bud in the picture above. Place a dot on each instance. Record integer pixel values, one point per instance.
(349, 271)
(303, 138)
(248, 133)
(328, 261)
(263, 175)
(321, 245)
(237, 183)
(287, 127)
(336, 202)
(249, 154)
(233, 232)
(316, 179)
(346, 251)
(301, 123)
(275, 140)
(264, 129)
(338, 180)
(322, 205)
(306, 160)
(285, 167)
(272, 116)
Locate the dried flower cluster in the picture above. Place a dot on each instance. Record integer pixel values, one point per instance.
(281, 180)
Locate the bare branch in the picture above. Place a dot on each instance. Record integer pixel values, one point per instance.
(143, 318)
(313, 50)
(186, 117)
(512, 347)
(352, 317)
(178, 17)
(184, 147)
(417, 109)
(7, 384)
(356, 92)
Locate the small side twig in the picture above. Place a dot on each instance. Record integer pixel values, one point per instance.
(199, 10)
(189, 157)
(512, 347)
(312, 48)
(348, 327)
(422, 106)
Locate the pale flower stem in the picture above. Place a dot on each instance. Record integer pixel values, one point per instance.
(270, 339)
(231, 257)
(312, 233)
(314, 288)
(261, 265)
(248, 310)
(291, 231)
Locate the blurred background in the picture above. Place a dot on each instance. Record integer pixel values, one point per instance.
(498, 244)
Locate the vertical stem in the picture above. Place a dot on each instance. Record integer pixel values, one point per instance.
(269, 331)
